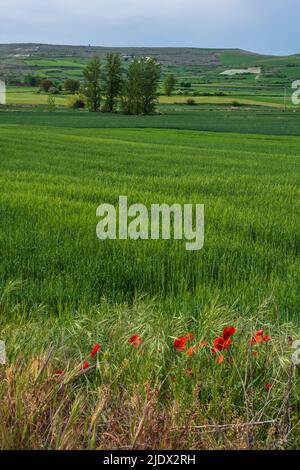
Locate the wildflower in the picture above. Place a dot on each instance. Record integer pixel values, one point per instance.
(85, 365)
(221, 359)
(259, 337)
(268, 387)
(224, 341)
(189, 336)
(192, 350)
(95, 349)
(135, 340)
(228, 332)
(202, 344)
(180, 343)
(58, 372)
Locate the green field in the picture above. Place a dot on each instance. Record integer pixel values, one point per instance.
(254, 121)
(62, 290)
(53, 179)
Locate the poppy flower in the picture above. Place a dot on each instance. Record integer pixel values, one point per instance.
(202, 344)
(95, 349)
(192, 350)
(220, 358)
(85, 365)
(224, 341)
(189, 336)
(268, 387)
(59, 372)
(259, 337)
(228, 332)
(135, 340)
(180, 343)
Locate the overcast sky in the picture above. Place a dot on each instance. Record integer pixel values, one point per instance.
(266, 26)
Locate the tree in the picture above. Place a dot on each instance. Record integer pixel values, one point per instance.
(72, 85)
(132, 98)
(31, 80)
(46, 85)
(140, 90)
(113, 80)
(51, 103)
(150, 80)
(92, 74)
(169, 84)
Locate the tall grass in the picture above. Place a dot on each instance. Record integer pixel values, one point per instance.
(153, 396)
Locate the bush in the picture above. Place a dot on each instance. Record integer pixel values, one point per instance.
(76, 102)
(190, 102)
(53, 90)
(236, 104)
(46, 85)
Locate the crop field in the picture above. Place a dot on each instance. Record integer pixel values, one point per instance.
(254, 121)
(66, 290)
(53, 179)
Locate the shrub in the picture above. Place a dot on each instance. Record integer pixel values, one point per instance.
(236, 104)
(76, 102)
(190, 102)
(46, 85)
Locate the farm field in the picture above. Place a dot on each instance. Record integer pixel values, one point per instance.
(66, 290)
(253, 121)
(32, 96)
(53, 179)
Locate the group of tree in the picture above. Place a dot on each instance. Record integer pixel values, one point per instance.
(136, 91)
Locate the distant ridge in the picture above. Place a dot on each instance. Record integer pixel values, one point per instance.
(166, 55)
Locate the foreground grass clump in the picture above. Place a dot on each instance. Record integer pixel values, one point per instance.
(124, 376)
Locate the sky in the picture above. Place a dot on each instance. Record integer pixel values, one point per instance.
(265, 26)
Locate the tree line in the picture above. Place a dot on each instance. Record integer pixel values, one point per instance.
(108, 88)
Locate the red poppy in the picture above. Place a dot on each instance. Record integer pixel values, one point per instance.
(228, 332)
(179, 343)
(85, 365)
(135, 340)
(268, 387)
(95, 349)
(189, 336)
(266, 338)
(192, 350)
(259, 337)
(202, 344)
(220, 358)
(224, 341)
(58, 372)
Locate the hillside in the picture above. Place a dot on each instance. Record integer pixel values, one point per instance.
(166, 55)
